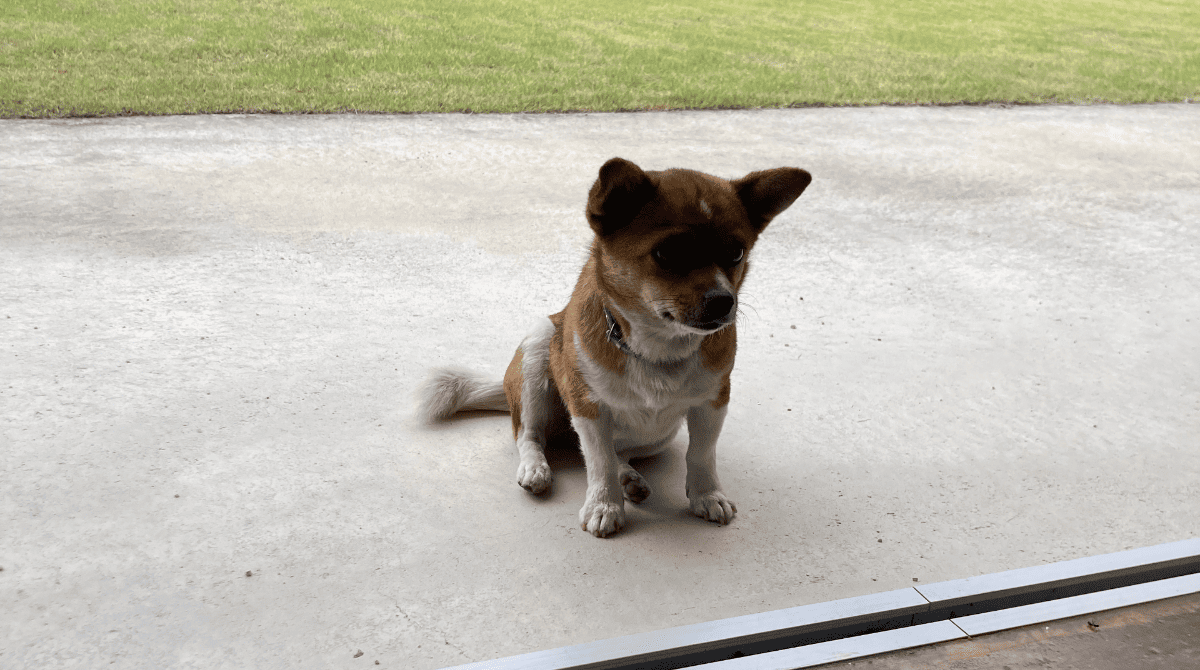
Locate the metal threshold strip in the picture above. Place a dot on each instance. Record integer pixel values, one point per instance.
(801, 637)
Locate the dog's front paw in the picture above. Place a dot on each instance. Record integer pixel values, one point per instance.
(602, 518)
(535, 477)
(713, 506)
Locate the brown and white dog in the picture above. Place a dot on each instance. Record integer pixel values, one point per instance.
(647, 339)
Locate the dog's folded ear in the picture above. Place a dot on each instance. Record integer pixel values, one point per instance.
(617, 196)
(768, 192)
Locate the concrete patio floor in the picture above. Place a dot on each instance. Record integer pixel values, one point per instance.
(972, 345)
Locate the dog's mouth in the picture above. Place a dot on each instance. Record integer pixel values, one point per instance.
(713, 326)
(716, 319)
(706, 327)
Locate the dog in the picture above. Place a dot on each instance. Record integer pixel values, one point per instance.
(647, 339)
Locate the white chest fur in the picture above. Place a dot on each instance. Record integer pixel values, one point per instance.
(649, 401)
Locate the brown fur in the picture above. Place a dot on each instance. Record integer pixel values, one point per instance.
(670, 254)
(513, 380)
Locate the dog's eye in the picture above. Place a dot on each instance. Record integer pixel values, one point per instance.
(667, 258)
(731, 258)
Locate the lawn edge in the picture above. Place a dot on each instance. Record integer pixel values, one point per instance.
(6, 111)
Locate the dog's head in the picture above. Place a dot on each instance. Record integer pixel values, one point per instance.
(675, 244)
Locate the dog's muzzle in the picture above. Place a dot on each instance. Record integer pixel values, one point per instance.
(716, 311)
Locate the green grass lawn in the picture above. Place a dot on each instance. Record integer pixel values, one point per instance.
(102, 57)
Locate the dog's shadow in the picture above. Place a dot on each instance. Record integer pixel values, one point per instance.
(564, 455)
(566, 458)
(666, 473)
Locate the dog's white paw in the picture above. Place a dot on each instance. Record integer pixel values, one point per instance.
(602, 518)
(635, 486)
(713, 506)
(535, 477)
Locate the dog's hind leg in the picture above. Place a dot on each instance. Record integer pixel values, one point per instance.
(635, 486)
(530, 397)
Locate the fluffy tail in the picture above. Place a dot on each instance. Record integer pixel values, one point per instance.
(449, 391)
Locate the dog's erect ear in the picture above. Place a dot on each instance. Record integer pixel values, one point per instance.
(617, 196)
(767, 193)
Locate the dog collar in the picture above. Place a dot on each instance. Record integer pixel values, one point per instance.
(615, 335)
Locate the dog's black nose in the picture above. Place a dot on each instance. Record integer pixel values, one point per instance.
(717, 306)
